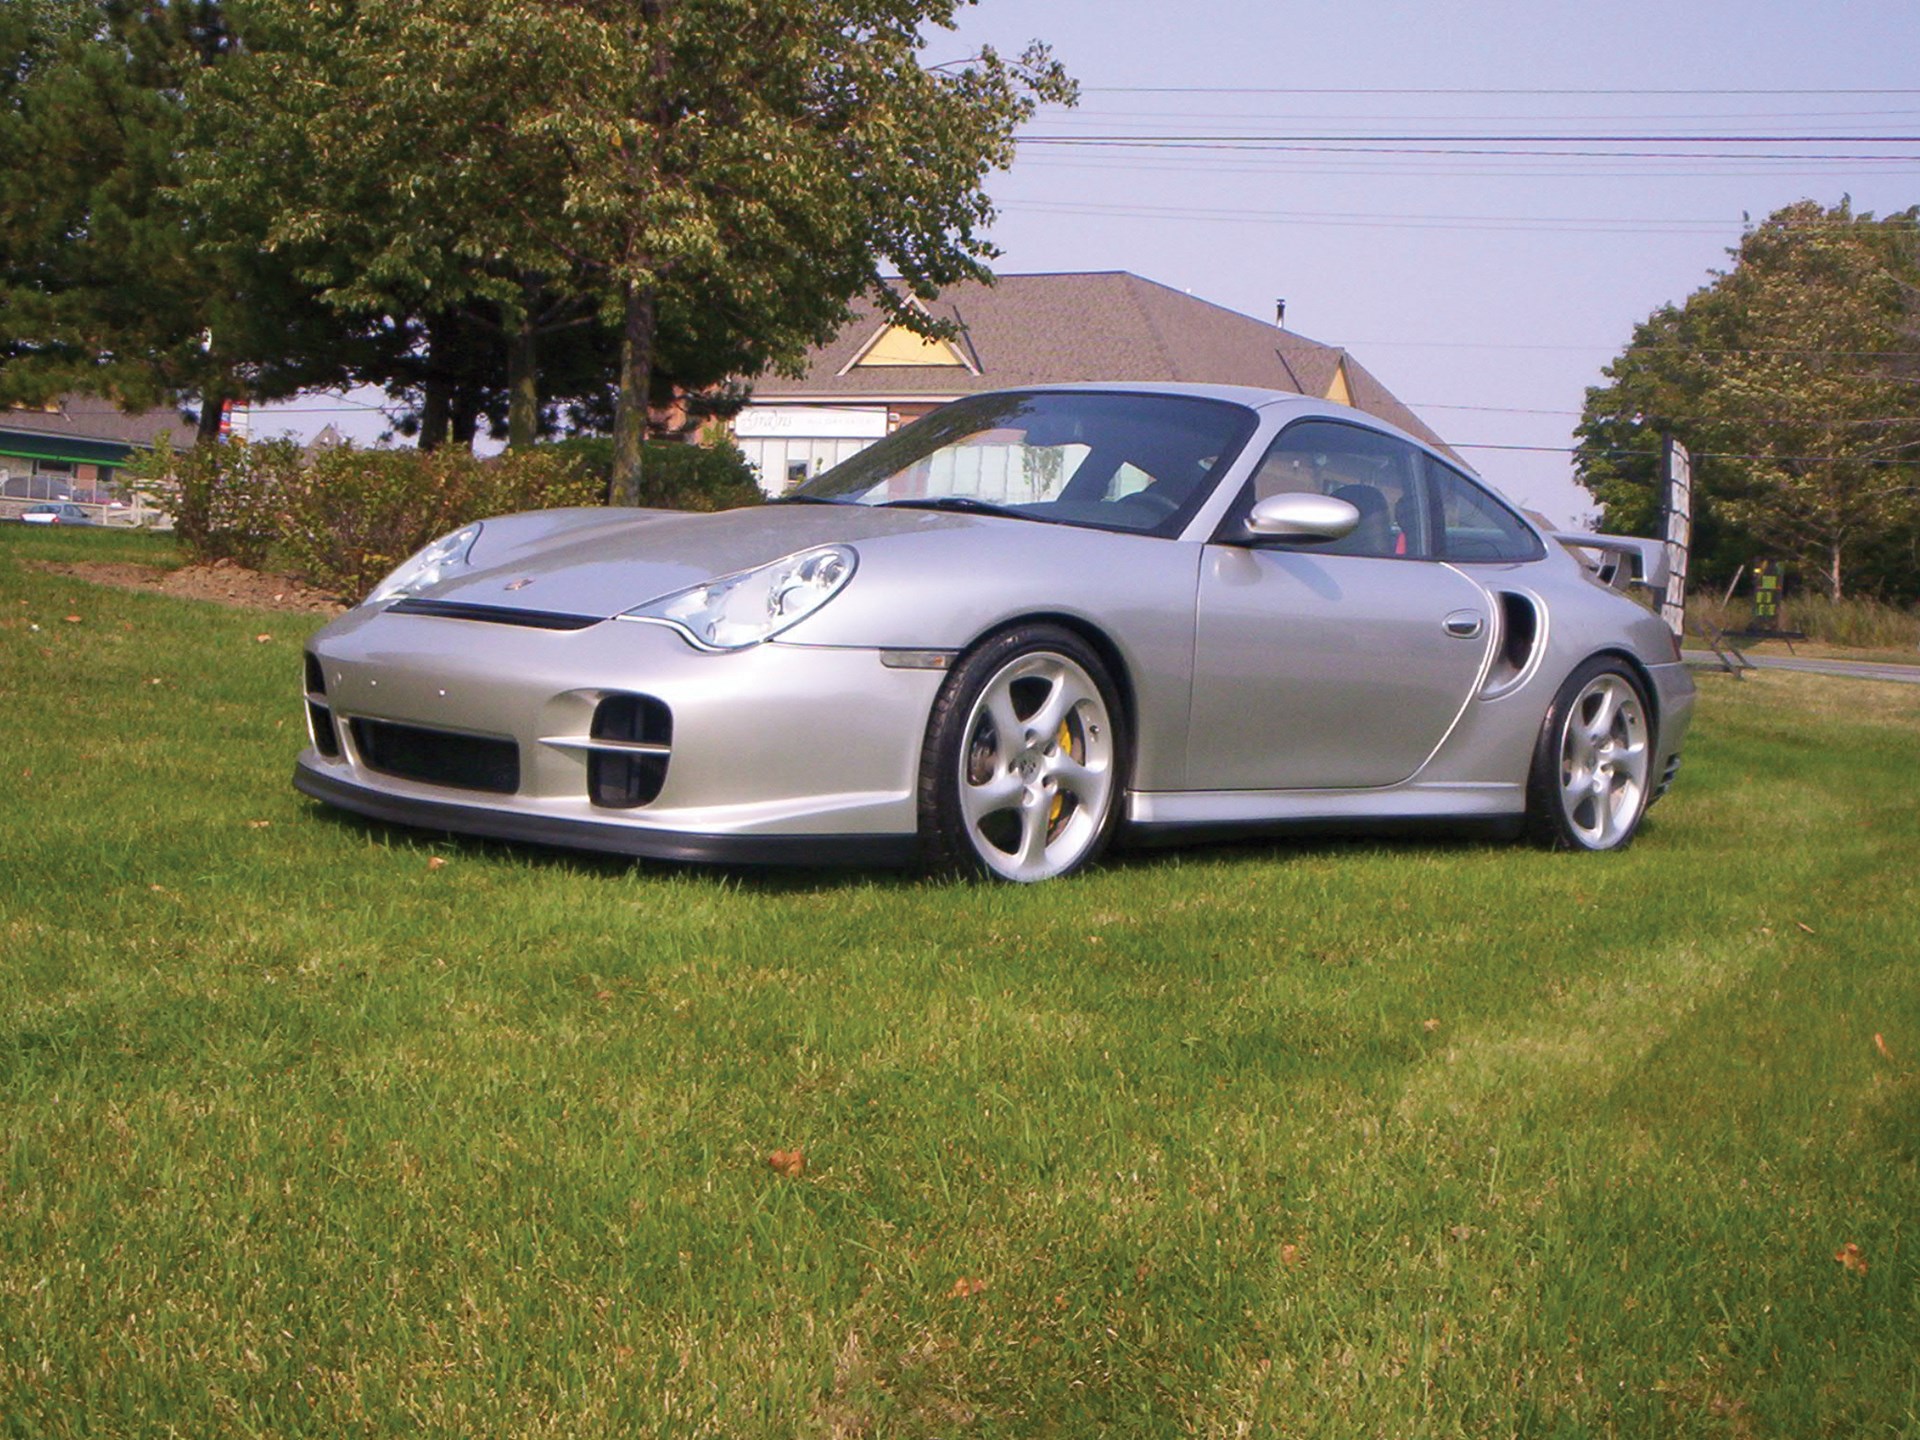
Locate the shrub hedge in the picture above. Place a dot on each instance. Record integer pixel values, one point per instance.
(349, 516)
(673, 476)
(340, 519)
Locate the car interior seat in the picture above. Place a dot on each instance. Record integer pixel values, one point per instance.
(1374, 534)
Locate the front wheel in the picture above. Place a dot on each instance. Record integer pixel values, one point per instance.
(1025, 759)
(1588, 787)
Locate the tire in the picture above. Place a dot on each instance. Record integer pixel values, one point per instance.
(1026, 759)
(1591, 776)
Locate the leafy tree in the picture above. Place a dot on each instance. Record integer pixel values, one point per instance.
(755, 164)
(713, 180)
(1792, 379)
(371, 145)
(107, 283)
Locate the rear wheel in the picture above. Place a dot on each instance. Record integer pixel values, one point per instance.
(1025, 759)
(1589, 784)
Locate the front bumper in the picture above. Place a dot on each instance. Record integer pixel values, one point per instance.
(781, 753)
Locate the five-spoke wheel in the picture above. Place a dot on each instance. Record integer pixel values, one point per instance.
(1025, 758)
(1589, 786)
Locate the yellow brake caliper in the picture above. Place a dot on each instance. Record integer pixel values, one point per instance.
(1066, 743)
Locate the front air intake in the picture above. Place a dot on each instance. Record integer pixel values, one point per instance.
(326, 739)
(632, 739)
(438, 757)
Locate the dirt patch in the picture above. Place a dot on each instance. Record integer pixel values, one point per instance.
(222, 582)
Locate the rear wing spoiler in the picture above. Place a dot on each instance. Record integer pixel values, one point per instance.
(1620, 561)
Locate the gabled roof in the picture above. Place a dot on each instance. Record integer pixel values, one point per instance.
(1103, 325)
(85, 417)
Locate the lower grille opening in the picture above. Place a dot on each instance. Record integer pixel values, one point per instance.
(438, 757)
(623, 779)
(325, 738)
(316, 681)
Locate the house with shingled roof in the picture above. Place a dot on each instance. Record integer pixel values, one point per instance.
(876, 375)
(77, 447)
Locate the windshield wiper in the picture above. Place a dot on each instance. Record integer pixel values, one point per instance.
(966, 504)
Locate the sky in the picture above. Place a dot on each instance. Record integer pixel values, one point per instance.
(1485, 289)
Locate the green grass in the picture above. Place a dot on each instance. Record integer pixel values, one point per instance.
(304, 1135)
(1873, 627)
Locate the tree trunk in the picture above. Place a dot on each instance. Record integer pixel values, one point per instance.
(466, 415)
(630, 410)
(523, 387)
(213, 403)
(436, 412)
(1833, 571)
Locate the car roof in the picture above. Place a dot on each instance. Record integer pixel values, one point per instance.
(1253, 398)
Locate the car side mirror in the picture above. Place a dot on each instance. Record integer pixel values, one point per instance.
(1301, 517)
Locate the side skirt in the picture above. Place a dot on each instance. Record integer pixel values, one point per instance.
(1493, 811)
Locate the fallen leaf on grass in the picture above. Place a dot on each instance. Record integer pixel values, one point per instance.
(965, 1288)
(73, 619)
(435, 862)
(1804, 926)
(261, 639)
(788, 1162)
(603, 996)
(1291, 1255)
(1850, 1256)
(258, 824)
(1880, 1044)
(1429, 1025)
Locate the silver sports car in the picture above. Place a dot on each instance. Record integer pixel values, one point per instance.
(1008, 632)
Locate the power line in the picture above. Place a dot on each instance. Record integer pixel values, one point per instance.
(1527, 165)
(1491, 138)
(1434, 147)
(1458, 90)
(1594, 225)
(1637, 349)
(1677, 420)
(1077, 115)
(1697, 455)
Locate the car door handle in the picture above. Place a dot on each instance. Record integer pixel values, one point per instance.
(1465, 624)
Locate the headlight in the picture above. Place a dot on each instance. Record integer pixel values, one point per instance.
(429, 567)
(749, 606)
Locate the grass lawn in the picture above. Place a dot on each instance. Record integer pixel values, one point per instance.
(315, 1128)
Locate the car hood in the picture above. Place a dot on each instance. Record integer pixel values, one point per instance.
(603, 562)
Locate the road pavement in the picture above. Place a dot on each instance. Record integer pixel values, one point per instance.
(1856, 669)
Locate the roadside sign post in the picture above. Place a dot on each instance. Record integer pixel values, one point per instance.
(1766, 597)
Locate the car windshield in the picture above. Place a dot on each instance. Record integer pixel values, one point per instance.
(1139, 462)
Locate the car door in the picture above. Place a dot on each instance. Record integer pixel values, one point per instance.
(1332, 665)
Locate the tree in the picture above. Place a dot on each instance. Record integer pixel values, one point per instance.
(107, 284)
(713, 180)
(371, 150)
(1792, 378)
(760, 163)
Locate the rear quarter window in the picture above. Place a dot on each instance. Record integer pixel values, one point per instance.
(1474, 524)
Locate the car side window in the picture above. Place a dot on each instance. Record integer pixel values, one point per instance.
(1379, 476)
(1474, 524)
